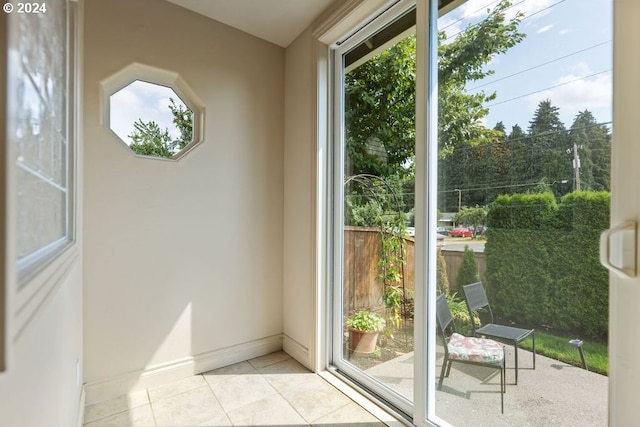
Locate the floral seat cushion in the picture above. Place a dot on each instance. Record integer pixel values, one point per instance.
(474, 349)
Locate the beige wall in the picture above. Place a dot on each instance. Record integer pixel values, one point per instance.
(41, 384)
(299, 193)
(183, 260)
(39, 387)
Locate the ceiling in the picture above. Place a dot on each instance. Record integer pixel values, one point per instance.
(277, 21)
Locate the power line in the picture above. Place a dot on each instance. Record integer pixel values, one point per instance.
(470, 15)
(539, 65)
(529, 184)
(547, 88)
(509, 8)
(542, 10)
(549, 132)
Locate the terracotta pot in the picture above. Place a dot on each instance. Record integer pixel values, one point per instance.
(362, 341)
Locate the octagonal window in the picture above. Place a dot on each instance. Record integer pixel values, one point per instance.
(149, 112)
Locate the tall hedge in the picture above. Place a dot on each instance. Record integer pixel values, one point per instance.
(542, 261)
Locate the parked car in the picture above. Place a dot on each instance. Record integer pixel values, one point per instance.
(481, 230)
(442, 230)
(460, 232)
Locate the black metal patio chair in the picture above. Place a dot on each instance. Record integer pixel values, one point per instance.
(469, 350)
(477, 302)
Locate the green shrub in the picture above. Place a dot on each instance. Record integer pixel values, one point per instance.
(442, 280)
(468, 271)
(460, 313)
(543, 265)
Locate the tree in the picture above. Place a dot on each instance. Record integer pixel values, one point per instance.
(149, 140)
(380, 97)
(462, 61)
(519, 154)
(593, 143)
(468, 271)
(549, 157)
(380, 112)
(442, 279)
(471, 216)
(183, 119)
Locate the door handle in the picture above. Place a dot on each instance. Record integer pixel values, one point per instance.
(618, 249)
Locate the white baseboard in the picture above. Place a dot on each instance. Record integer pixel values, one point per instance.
(81, 405)
(123, 384)
(296, 350)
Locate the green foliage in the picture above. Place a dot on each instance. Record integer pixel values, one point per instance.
(366, 215)
(392, 255)
(393, 298)
(468, 272)
(442, 279)
(543, 265)
(594, 143)
(465, 60)
(149, 140)
(380, 97)
(471, 216)
(183, 119)
(366, 321)
(460, 313)
(522, 211)
(375, 201)
(539, 160)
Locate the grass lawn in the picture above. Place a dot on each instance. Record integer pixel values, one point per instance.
(595, 354)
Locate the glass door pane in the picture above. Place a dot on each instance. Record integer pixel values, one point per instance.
(524, 142)
(374, 234)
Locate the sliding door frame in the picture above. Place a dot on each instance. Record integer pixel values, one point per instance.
(423, 405)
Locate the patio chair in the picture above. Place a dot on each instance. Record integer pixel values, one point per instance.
(469, 350)
(476, 301)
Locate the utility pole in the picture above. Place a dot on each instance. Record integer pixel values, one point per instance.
(576, 165)
(459, 198)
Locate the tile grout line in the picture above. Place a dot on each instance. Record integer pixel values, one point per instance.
(279, 393)
(108, 415)
(335, 410)
(226, 414)
(153, 413)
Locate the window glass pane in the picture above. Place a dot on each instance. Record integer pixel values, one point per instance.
(376, 286)
(162, 124)
(524, 131)
(41, 133)
(41, 219)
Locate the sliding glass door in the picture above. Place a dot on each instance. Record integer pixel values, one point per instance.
(472, 144)
(373, 300)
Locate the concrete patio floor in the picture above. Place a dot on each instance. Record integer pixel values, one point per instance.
(554, 394)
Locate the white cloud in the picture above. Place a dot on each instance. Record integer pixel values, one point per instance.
(577, 91)
(473, 11)
(534, 9)
(545, 29)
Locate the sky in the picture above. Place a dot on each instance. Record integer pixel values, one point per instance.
(142, 100)
(566, 57)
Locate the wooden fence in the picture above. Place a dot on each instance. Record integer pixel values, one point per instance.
(363, 285)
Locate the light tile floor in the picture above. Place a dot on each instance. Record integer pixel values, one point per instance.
(268, 390)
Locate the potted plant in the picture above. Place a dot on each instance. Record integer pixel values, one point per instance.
(364, 327)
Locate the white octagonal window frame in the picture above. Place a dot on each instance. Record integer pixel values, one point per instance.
(137, 72)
